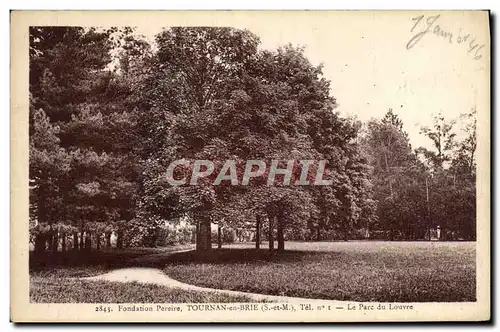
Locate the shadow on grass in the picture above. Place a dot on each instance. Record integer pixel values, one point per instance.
(224, 256)
(109, 259)
(115, 259)
(112, 258)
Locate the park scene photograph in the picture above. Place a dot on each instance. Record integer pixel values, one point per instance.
(200, 164)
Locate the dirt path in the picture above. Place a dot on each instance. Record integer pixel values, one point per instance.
(157, 277)
(149, 275)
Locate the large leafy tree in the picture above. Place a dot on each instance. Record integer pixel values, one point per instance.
(216, 98)
(198, 69)
(284, 111)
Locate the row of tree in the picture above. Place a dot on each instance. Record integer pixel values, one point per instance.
(420, 190)
(108, 113)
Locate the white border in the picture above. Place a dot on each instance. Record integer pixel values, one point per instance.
(147, 4)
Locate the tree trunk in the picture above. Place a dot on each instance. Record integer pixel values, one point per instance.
(88, 242)
(55, 242)
(318, 233)
(428, 222)
(42, 217)
(219, 236)
(257, 232)
(75, 241)
(198, 247)
(280, 234)
(346, 232)
(40, 245)
(153, 239)
(205, 238)
(119, 239)
(63, 243)
(108, 240)
(270, 233)
(82, 241)
(49, 239)
(98, 241)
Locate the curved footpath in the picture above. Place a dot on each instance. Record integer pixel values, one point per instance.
(157, 277)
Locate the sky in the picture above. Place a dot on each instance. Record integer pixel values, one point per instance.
(366, 59)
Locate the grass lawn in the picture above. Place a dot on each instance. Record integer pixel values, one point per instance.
(57, 290)
(355, 271)
(70, 264)
(49, 281)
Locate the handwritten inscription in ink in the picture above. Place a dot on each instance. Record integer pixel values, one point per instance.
(428, 25)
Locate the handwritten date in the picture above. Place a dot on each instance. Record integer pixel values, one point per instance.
(429, 25)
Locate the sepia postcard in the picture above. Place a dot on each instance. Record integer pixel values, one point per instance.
(250, 166)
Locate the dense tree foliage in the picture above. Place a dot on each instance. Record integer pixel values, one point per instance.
(109, 113)
(88, 134)
(421, 190)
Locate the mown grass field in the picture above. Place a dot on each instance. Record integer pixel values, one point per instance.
(57, 290)
(354, 271)
(55, 284)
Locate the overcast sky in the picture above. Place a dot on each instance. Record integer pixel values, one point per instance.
(370, 69)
